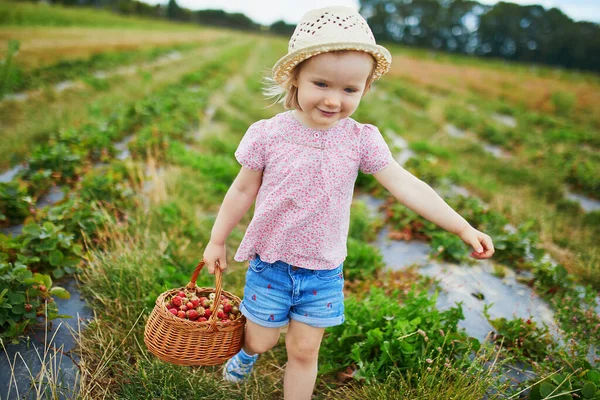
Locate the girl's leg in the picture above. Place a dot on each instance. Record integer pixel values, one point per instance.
(258, 339)
(302, 343)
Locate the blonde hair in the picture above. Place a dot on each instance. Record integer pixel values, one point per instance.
(287, 93)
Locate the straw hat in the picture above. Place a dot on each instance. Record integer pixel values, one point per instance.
(328, 29)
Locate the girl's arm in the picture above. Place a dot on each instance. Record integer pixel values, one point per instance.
(422, 199)
(236, 203)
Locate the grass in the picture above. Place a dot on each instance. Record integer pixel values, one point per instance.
(40, 14)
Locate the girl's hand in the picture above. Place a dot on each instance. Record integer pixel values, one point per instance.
(481, 243)
(215, 254)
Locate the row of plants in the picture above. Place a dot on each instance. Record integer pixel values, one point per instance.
(52, 239)
(67, 69)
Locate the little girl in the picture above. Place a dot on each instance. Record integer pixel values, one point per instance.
(301, 166)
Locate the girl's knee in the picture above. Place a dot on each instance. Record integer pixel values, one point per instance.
(303, 346)
(258, 346)
(260, 339)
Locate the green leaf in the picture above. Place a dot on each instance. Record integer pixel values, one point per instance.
(32, 230)
(56, 257)
(18, 309)
(43, 279)
(589, 390)
(60, 292)
(593, 376)
(546, 389)
(16, 298)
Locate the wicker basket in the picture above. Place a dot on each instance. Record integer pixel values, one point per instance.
(183, 342)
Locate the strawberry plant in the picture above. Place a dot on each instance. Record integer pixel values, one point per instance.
(363, 260)
(380, 335)
(578, 381)
(15, 204)
(449, 247)
(25, 296)
(54, 248)
(523, 338)
(63, 161)
(77, 216)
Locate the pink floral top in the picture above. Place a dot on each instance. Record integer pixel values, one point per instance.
(302, 211)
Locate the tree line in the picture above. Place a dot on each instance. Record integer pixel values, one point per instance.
(504, 30)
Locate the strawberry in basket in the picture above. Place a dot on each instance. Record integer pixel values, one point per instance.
(187, 305)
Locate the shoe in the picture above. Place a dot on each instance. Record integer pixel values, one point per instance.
(238, 367)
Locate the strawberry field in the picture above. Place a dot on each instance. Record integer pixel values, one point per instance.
(111, 183)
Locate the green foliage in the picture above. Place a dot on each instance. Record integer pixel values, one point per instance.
(49, 248)
(363, 260)
(381, 336)
(220, 170)
(70, 69)
(14, 203)
(523, 338)
(77, 216)
(9, 75)
(363, 227)
(23, 297)
(64, 162)
(462, 117)
(580, 380)
(427, 168)
(428, 148)
(563, 102)
(449, 247)
(409, 93)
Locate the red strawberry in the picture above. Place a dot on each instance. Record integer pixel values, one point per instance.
(202, 319)
(205, 303)
(176, 301)
(183, 308)
(173, 311)
(195, 301)
(190, 305)
(227, 308)
(181, 314)
(224, 320)
(192, 315)
(203, 298)
(181, 294)
(221, 315)
(207, 313)
(170, 306)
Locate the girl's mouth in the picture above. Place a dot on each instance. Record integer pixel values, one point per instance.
(326, 113)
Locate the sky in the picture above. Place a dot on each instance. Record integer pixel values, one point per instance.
(268, 11)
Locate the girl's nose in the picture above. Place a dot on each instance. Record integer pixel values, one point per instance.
(332, 101)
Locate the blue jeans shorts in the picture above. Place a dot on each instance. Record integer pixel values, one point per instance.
(276, 292)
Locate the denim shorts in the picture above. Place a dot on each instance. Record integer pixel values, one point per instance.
(276, 292)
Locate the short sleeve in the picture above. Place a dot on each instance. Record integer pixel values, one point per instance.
(250, 152)
(375, 154)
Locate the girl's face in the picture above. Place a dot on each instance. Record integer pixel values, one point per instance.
(330, 86)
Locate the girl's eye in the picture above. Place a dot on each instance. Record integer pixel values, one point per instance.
(349, 90)
(320, 84)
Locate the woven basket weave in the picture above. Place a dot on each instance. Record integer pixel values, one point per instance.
(183, 342)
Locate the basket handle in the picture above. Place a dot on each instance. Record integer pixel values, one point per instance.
(212, 320)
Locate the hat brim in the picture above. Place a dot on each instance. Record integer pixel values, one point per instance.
(286, 64)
